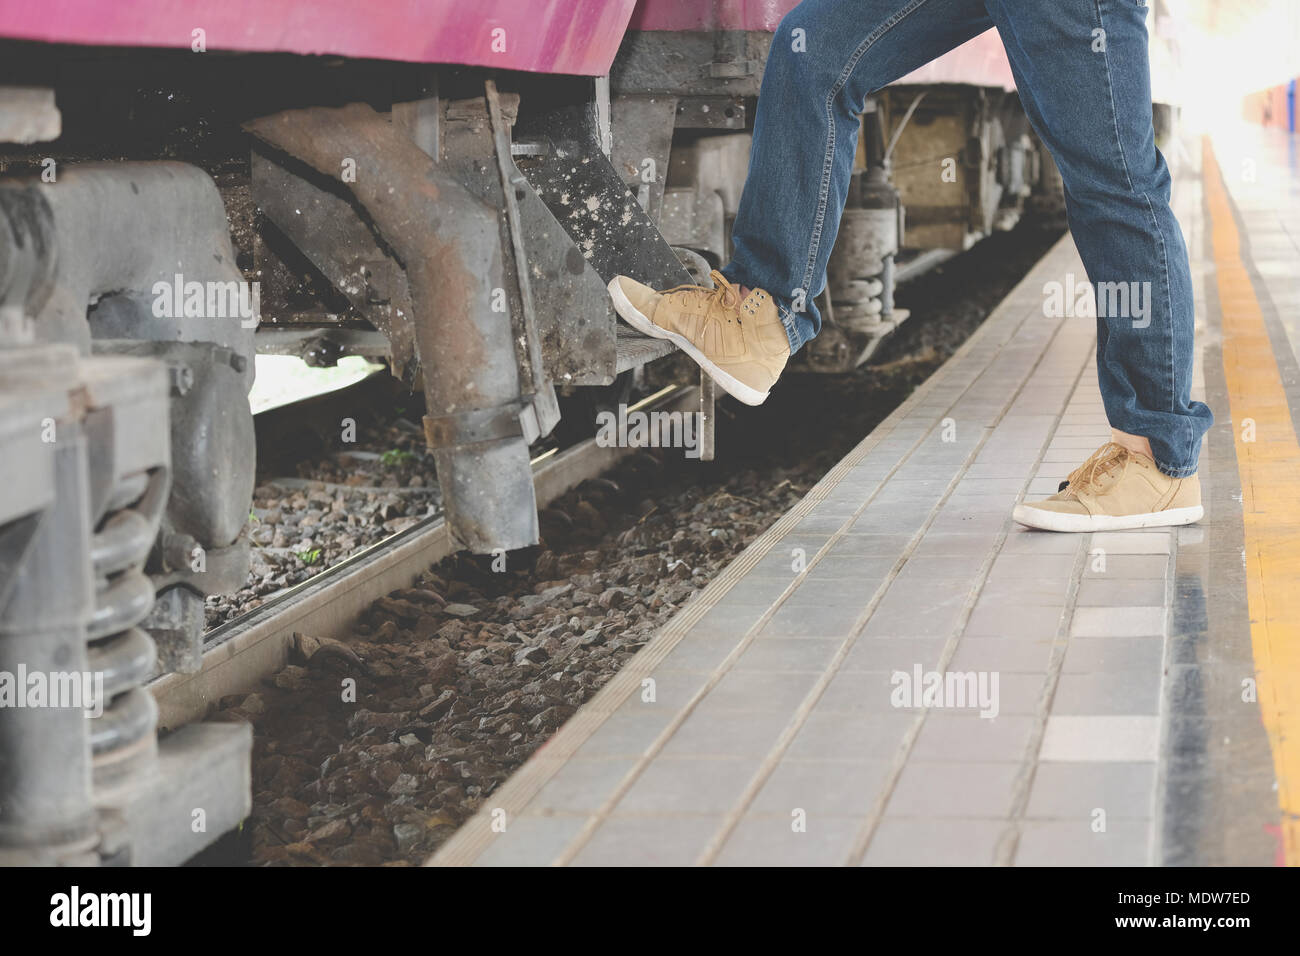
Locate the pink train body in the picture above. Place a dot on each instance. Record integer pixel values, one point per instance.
(546, 36)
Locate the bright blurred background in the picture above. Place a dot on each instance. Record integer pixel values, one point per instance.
(1223, 61)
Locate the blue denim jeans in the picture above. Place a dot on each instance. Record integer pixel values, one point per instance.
(1089, 102)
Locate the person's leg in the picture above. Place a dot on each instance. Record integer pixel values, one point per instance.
(826, 57)
(1082, 70)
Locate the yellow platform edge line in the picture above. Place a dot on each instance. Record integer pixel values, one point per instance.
(1270, 501)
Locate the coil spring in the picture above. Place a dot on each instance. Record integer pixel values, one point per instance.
(122, 737)
(858, 302)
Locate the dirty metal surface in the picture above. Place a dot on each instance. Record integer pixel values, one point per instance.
(416, 212)
(643, 138)
(721, 62)
(589, 198)
(575, 319)
(711, 112)
(327, 228)
(450, 243)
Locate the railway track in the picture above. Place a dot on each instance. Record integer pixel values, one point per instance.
(242, 652)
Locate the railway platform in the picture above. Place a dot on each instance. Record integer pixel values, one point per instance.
(898, 673)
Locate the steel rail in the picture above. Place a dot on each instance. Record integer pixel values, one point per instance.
(239, 654)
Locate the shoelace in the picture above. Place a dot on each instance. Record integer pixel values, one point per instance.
(726, 293)
(1097, 466)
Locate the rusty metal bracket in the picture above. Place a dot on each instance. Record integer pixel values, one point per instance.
(544, 409)
(479, 425)
(449, 242)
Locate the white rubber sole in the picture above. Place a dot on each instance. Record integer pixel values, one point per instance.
(1056, 521)
(633, 317)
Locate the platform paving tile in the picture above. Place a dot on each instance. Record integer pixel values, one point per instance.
(1016, 655)
(818, 590)
(1042, 487)
(1101, 738)
(531, 841)
(1155, 541)
(782, 654)
(832, 735)
(673, 785)
(963, 738)
(700, 654)
(1003, 592)
(937, 789)
(1035, 621)
(1119, 592)
(1075, 791)
(1119, 621)
(947, 842)
(581, 785)
(956, 542)
(890, 654)
(1112, 655)
(718, 731)
(1078, 843)
(628, 840)
(1124, 567)
(918, 609)
(626, 734)
(794, 839)
(668, 691)
(1109, 692)
(822, 788)
(939, 569)
(748, 691)
(867, 692)
(828, 618)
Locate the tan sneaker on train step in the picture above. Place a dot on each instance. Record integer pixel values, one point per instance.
(741, 344)
(1114, 490)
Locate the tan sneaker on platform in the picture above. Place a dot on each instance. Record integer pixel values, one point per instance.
(1114, 490)
(741, 344)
